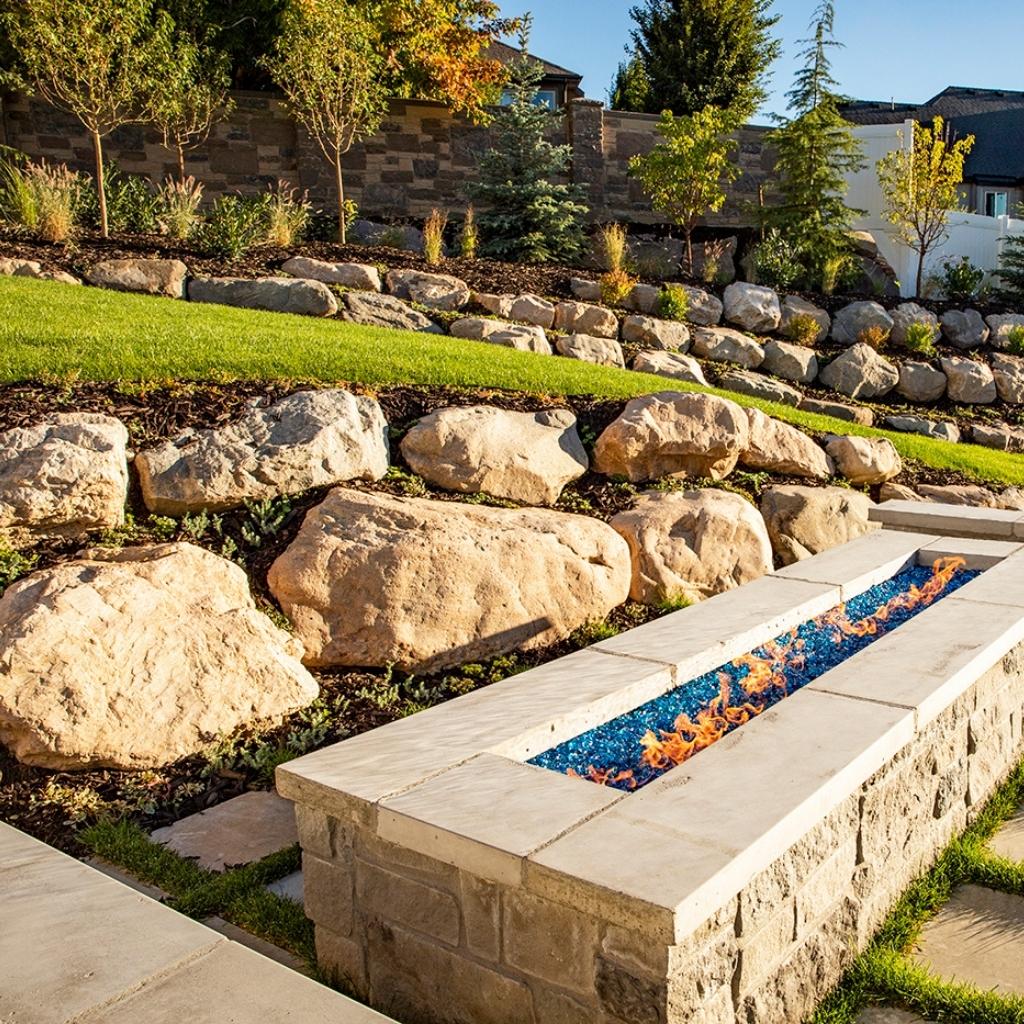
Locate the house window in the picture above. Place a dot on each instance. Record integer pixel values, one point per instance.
(995, 204)
(544, 98)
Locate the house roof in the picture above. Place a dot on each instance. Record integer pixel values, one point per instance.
(506, 54)
(995, 117)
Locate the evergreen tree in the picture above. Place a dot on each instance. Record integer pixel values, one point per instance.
(816, 151)
(629, 87)
(1011, 267)
(700, 53)
(527, 216)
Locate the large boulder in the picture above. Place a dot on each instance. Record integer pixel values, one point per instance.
(964, 328)
(373, 310)
(671, 433)
(420, 584)
(752, 307)
(1008, 372)
(851, 320)
(498, 332)
(653, 333)
(921, 382)
(309, 439)
(865, 460)
(603, 351)
(494, 302)
(797, 363)
(276, 294)
(908, 313)
(693, 544)
(64, 476)
(998, 435)
(941, 430)
(757, 385)
(15, 267)
(585, 318)
(670, 364)
(781, 448)
(804, 521)
(794, 306)
(724, 345)
(526, 456)
(838, 410)
(860, 372)
(970, 382)
(532, 309)
(959, 494)
(1000, 325)
(705, 309)
(437, 291)
(360, 276)
(585, 289)
(151, 277)
(644, 298)
(137, 657)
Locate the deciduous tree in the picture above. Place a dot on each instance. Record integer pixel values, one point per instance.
(921, 185)
(688, 171)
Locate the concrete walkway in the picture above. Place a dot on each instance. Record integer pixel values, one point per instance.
(78, 947)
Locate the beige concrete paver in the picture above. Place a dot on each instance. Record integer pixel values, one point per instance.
(256, 944)
(887, 1015)
(239, 831)
(977, 937)
(1008, 842)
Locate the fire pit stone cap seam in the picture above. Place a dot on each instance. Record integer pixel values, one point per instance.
(945, 520)
(978, 552)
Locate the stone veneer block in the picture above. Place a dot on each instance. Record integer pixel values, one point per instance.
(977, 938)
(949, 520)
(451, 816)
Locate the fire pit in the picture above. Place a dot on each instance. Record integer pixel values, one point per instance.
(848, 714)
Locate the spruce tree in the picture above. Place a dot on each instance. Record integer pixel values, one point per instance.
(700, 53)
(527, 216)
(1011, 267)
(816, 150)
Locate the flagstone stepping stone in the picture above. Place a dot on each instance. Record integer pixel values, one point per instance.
(290, 887)
(888, 1015)
(977, 938)
(1008, 842)
(360, 276)
(276, 294)
(374, 310)
(237, 832)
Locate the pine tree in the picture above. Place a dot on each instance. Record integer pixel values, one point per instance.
(1011, 267)
(816, 150)
(700, 53)
(527, 215)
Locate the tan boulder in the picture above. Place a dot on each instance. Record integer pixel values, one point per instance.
(437, 291)
(865, 460)
(804, 521)
(584, 318)
(308, 439)
(670, 364)
(525, 456)
(276, 294)
(781, 448)
(532, 309)
(897, 492)
(360, 276)
(673, 433)
(959, 494)
(693, 544)
(151, 277)
(585, 347)
(135, 658)
(376, 580)
(65, 476)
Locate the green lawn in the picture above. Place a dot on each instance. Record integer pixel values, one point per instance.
(50, 330)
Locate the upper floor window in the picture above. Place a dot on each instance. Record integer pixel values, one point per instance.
(995, 204)
(544, 98)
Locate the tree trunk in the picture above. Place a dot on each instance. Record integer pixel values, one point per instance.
(920, 273)
(101, 193)
(181, 163)
(688, 232)
(340, 182)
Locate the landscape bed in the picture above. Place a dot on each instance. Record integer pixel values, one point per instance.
(737, 886)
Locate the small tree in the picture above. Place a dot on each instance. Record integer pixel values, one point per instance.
(1011, 266)
(529, 216)
(921, 185)
(97, 59)
(326, 62)
(686, 174)
(816, 151)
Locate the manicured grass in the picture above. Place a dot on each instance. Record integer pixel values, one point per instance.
(50, 330)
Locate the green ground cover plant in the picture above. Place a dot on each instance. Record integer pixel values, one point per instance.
(51, 331)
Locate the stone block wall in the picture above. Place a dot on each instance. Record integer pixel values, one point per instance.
(421, 158)
(429, 943)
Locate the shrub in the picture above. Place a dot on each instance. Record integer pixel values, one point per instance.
(392, 237)
(840, 269)
(234, 225)
(612, 247)
(1015, 340)
(920, 338)
(177, 207)
(776, 261)
(131, 203)
(433, 237)
(287, 217)
(876, 336)
(41, 198)
(803, 329)
(615, 287)
(961, 279)
(673, 302)
(469, 236)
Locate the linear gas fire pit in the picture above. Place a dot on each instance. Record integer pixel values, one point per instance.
(702, 819)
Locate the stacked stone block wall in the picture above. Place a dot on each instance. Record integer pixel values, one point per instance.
(429, 943)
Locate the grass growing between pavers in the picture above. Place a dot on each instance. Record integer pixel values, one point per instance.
(886, 974)
(55, 331)
(236, 895)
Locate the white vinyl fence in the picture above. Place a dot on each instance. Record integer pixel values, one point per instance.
(978, 238)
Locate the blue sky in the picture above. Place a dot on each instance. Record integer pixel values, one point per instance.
(903, 49)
